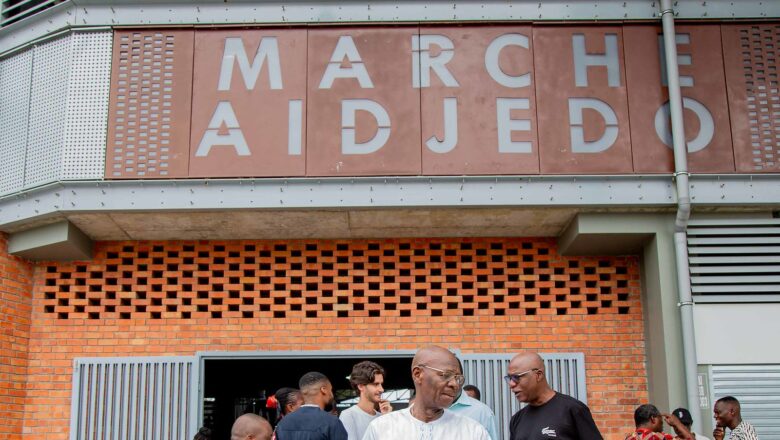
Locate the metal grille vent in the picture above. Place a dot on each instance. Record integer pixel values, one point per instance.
(47, 112)
(15, 10)
(15, 77)
(734, 259)
(87, 106)
(132, 398)
(757, 387)
(760, 63)
(565, 372)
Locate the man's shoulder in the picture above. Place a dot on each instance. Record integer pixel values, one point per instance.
(566, 399)
(466, 422)
(351, 411)
(744, 431)
(305, 414)
(391, 418)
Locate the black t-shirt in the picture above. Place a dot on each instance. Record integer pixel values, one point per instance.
(561, 418)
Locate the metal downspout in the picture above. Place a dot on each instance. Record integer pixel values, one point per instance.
(683, 211)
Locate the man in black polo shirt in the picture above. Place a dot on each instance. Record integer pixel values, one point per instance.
(310, 421)
(549, 414)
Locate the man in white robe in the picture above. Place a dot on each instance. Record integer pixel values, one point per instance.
(437, 380)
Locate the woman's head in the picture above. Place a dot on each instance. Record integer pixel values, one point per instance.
(289, 400)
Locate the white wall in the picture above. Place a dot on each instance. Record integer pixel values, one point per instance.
(737, 333)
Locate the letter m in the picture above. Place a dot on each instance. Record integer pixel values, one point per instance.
(234, 50)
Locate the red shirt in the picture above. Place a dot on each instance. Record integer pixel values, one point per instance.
(647, 434)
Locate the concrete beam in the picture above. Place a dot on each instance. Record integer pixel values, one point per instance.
(61, 241)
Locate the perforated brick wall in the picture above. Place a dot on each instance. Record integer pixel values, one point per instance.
(335, 279)
(477, 295)
(15, 313)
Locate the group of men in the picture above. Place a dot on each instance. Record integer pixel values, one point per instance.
(441, 410)
(649, 423)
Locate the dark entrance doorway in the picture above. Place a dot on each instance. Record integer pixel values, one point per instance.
(235, 386)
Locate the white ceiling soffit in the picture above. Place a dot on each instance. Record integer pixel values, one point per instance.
(96, 13)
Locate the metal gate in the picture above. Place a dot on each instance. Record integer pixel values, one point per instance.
(757, 387)
(565, 372)
(150, 398)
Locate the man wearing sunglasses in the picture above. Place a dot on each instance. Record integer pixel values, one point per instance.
(548, 414)
(437, 380)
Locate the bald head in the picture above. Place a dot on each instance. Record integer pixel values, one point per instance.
(527, 380)
(251, 426)
(528, 360)
(432, 354)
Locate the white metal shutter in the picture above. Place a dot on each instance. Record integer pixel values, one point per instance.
(757, 387)
(151, 398)
(734, 259)
(565, 373)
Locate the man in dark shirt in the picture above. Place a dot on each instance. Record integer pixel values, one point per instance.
(549, 414)
(310, 421)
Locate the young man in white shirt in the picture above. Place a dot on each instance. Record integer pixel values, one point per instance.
(366, 378)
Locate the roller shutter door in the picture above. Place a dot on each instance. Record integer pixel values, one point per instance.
(757, 387)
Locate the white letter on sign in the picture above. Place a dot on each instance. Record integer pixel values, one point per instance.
(348, 143)
(578, 142)
(224, 114)
(706, 125)
(234, 50)
(450, 129)
(345, 48)
(506, 125)
(423, 62)
(682, 59)
(491, 61)
(294, 127)
(583, 60)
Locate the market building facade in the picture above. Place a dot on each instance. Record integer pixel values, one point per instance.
(201, 201)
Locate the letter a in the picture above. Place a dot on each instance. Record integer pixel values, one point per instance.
(345, 48)
(224, 114)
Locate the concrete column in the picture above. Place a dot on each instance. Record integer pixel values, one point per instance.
(652, 237)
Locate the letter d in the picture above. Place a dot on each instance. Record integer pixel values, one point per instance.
(349, 108)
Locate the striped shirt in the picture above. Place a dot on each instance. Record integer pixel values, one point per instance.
(743, 431)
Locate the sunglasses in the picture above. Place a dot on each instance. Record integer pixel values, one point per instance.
(447, 375)
(516, 377)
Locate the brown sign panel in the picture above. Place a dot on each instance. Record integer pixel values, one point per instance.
(149, 105)
(364, 114)
(249, 106)
(703, 87)
(478, 102)
(582, 101)
(752, 62)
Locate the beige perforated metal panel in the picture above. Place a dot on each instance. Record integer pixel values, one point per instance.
(14, 104)
(87, 106)
(149, 112)
(48, 97)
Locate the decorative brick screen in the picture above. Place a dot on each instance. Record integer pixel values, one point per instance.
(310, 279)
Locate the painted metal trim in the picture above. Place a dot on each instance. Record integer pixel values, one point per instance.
(75, 13)
(654, 191)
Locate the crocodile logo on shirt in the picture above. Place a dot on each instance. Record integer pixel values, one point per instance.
(548, 432)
